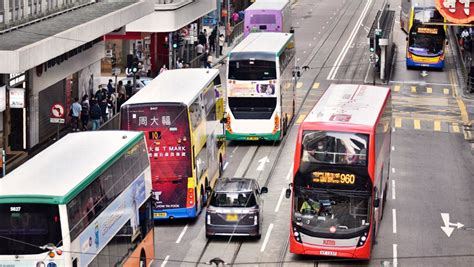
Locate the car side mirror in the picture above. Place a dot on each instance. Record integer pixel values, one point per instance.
(263, 190)
(376, 203)
(288, 193)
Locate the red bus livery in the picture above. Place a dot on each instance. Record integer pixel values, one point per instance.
(341, 168)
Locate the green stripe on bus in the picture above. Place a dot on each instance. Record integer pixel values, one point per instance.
(252, 137)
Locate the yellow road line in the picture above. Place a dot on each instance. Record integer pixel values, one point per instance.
(396, 88)
(413, 89)
(299, 85)
(462, 108)
(315, 85)
(437, 126)
(300, 119)
(455, 128)
(287, 85)
(429, 90)
(446, 91)
(398, 122)
(416, 124)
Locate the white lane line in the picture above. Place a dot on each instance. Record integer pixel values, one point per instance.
(394, 196)
(393, 148)
(182, 234)
(393, 129)
(395, 255)
(277, 208)
(267, 237)
(394, 216)
(235, 149)
(165, 261)
(393, 170)
(225, 165)
(343, 53)
(290, 171)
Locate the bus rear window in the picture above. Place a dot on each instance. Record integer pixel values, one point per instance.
(166, 126)
(334, 148)
(263, 19)
(252, 108)
(252, 70)
(24, 224)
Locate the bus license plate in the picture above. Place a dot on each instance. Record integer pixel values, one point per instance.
(328, 253)
(253, 138)
(159, 214)
(231, 217)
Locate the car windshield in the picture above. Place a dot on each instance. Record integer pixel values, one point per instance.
(233, 199)
(334, 148)
(326, 211)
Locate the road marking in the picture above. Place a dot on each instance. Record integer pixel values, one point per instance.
(300, 119)
(429, 90)
(393, 170)
(225, 165)
(290, 172)
(299, 85)
(165, 261)
(456, 128)
(416, 124)
(315, 85)
(267, 237)
(277, 208)
(446, 91)
(437, 126)
(235, 149)
(413, 89)
(462, 108)
(394, 196)
(393, 148)
(395, 260)
(349, 41)
(182, 234)
(396, 88)
(394, 216)
(398, 122)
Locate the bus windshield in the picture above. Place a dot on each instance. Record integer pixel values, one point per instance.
(25, 224)
(166, 128)
(252, 70)
(333, 148)
(327, 211)
(426, 44)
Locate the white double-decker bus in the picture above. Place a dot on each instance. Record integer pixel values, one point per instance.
(260, 99)
(83, 201)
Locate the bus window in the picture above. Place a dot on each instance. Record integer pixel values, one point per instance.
(195, 112)
(252, 70)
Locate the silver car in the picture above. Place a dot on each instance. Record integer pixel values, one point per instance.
(142, 82)
(235, 208)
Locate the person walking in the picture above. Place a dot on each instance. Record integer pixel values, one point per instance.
(221, 43)
(199, 49)
(209, 60)
(120, 100)
(95, 114)
(85, 112)
(103, 109)
(110, 87)
(212, 41)
(75, 114)
(163, 69)
(129, 89)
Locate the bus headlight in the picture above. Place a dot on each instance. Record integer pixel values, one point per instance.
(297, 235)
(362, 240)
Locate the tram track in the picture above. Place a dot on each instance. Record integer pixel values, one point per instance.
(326, 41)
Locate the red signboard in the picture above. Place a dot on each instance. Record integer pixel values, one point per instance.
(456, 11)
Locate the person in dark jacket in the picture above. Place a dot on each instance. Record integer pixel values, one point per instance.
(95, 114)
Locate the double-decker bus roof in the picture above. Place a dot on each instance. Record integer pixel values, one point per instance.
(264, 42)
(268, 5)
(174, 86)
(62, 170)
(349, 104)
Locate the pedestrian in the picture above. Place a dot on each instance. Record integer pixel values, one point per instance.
(101, 93)
(235, 17)
(179, 63)
(110, 87)
(163, 69)
(221, 43)
(85, 112)
(209, 60)
(241, 15)
(103, 110)
(128, 89)
(212, 41)
(121, 99)
(199, 49)
(111, 100)
(95, 114)
(202, 38)
(120, 88)
(147, 66)
(75, 114)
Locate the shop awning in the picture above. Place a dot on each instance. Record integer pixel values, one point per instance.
(26, 47)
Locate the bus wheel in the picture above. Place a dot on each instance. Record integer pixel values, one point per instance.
(142, 259)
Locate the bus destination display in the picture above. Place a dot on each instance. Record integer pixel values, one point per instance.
(333, 178)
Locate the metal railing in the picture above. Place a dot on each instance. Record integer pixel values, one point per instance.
(461, 68)
(111, 124)
(236, 32)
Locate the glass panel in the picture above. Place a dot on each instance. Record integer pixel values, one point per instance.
(31, 223)
(263, 19)
(334, 148)
(233, 199)
(252, 70)
(252, 107)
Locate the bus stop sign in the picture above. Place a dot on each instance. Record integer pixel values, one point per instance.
(456, 11)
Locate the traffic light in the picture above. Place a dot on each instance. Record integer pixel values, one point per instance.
(175, 40)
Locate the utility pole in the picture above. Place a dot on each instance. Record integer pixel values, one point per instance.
(218, 23)
(227, 22)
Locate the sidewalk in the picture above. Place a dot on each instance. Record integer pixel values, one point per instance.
(226, 49)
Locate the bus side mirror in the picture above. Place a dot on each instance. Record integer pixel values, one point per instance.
(376, 203)
(263, 190)
(406, 38)
(447, 42)
(288, 193)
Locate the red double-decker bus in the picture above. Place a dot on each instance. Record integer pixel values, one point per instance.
(341, 171)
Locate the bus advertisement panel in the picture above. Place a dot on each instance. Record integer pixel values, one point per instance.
(166, 129)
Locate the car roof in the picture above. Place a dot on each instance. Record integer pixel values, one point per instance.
(234, 185)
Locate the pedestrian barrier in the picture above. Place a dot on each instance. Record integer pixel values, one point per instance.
(236, 32)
